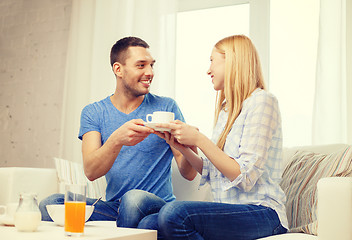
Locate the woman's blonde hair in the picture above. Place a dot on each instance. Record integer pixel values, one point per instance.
(243, 74)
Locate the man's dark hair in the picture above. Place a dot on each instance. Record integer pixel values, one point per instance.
(119, 50)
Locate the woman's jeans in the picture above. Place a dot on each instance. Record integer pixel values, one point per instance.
(127, 212)
(210, 220)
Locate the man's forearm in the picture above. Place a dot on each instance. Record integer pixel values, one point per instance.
(98, 162)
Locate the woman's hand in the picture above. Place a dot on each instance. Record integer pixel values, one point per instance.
(171, 140)
(186, 156)
(182, 132)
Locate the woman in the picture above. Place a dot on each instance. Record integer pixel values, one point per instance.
(243, 161)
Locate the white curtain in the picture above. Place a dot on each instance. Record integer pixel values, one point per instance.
(95, 26)
(331, 108)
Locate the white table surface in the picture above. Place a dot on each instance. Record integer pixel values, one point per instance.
(98, 230)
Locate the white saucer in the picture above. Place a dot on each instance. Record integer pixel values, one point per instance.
(6, 220)
(152, 125)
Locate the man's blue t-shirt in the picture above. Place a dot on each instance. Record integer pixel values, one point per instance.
(145, 166)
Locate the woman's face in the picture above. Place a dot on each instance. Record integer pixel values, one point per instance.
(217, 69)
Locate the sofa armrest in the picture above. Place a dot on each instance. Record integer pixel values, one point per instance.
(15, 180)
(335, 208)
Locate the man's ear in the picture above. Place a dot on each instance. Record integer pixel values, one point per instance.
(117, 68)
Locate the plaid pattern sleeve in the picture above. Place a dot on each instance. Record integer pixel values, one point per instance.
(205, 173)
(255, 142)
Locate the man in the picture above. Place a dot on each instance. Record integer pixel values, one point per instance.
(117, 144)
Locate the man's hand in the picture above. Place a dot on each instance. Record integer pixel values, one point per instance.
(132, 132)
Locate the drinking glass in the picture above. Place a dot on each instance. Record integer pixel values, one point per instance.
(75, 208)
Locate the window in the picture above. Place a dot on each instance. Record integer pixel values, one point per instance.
(293, 53)
(197, 32)
(287, 42)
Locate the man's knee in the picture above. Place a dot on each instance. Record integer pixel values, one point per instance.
(56, 198)
(135, 196)
(149, 222)
(170, 214)
(135, 205)
(143, 200)
(51, 200)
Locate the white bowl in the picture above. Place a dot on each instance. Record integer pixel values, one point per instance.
(57, 213)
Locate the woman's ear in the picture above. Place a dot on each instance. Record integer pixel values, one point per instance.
(117, 67)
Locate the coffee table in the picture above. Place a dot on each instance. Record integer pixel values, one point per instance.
(95, 230)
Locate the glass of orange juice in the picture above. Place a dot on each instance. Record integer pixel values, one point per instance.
(75, 209)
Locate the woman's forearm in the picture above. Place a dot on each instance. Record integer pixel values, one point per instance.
(225, 164)
(193, 158)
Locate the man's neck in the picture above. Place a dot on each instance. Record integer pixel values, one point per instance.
(126, 104)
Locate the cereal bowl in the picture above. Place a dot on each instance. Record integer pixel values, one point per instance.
(57, 213)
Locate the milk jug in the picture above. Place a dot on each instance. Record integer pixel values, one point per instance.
(27, 216)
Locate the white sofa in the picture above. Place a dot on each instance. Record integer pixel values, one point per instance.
(16, 180)
(47, 181)
(289, 154)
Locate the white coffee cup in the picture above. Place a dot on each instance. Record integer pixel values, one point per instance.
(7, 213)
(160, 117)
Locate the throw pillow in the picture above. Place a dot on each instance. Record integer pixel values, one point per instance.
(299, 182)
(72, 172)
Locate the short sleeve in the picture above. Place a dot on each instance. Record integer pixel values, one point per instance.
(89, 121)
(176, 110)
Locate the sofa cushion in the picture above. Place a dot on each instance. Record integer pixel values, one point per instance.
(291, 236)
(299, 182)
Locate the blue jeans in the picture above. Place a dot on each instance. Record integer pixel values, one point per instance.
(139, 209)
(103, 210)
(213, 221)
(132, 210)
